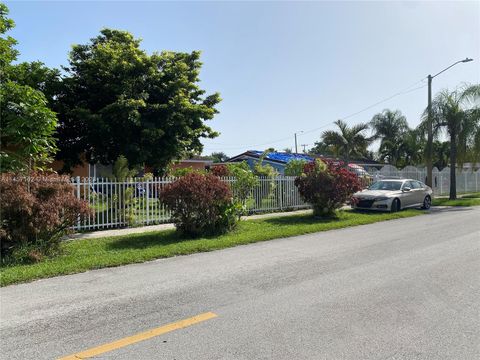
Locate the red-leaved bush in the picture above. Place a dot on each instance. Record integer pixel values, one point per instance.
(326, 186)
(36, 212)
(201, 204)
(219, 170)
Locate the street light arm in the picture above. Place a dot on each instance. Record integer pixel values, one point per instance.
(458, 62)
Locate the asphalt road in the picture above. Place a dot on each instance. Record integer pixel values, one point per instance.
(403, 289)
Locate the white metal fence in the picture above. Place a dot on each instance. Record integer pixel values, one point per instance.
(135, 202)
(467, 181)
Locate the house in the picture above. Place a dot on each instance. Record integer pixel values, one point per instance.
(195, 164)
(84, 169)
(278, 160)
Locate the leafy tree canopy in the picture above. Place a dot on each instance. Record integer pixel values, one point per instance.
(8, 53)
(38, 76)
(27, 124)
(27, 128)
(119, 100)
(219, 157)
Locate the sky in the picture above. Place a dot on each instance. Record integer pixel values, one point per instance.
(281, 67)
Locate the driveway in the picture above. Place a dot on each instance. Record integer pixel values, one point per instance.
(402, 289)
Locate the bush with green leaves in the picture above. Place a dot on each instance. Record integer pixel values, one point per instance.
(295, 167)
(243, 185)
(266, 173)
(201, 204)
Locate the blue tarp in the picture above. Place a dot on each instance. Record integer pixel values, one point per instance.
(282, 156)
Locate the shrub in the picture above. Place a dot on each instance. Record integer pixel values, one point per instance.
(219, 170)
(266, 172)
(295, 167)
(326, 186)
(245, 182)
(201, 204)
(121, 171)
(36, 212)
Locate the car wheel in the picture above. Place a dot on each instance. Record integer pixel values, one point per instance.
(427, 202)
(395, 205)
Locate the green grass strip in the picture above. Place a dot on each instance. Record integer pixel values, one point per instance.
(87, 254)
(463, 201)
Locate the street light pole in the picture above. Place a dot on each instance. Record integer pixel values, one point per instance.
(430, 122)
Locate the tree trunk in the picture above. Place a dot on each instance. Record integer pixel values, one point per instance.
(453, 166)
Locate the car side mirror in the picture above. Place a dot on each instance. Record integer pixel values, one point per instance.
(407, 188)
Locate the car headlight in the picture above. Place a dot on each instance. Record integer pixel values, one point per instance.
(381, 198)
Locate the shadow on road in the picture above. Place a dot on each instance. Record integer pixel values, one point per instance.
(443, 209)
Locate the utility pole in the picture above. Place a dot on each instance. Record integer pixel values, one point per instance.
(430, 122)
(304, 146)
(296, 147)
(429, 134)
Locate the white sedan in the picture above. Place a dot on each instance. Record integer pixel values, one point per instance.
(393, 195)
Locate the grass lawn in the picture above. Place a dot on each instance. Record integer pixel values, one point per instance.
(465, 200)
(87, 254)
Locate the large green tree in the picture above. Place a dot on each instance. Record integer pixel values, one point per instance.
(8, 53)
(457, 113)
(351, 142)
(389, 127)
(219, 157)
(119, 100)
(37, 76)
(27, 125)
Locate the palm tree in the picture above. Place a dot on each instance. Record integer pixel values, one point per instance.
(320, 148)
(412, 147)
(389, 126)
(350, 141)
(441, 154)
(458, 114)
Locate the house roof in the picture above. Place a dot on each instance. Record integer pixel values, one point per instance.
(276, 157)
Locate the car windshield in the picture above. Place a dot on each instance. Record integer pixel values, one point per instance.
(386, 185)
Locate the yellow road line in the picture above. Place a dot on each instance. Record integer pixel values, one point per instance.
(139, 337)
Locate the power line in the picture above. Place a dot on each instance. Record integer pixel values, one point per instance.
(404, 91)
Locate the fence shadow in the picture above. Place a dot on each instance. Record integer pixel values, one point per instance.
(445, 209)
(303, 219)
(142, 240)
(148, 240)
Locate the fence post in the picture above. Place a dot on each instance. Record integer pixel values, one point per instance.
(147, 202)
(78, 197)
(280, 191)
(441, 184)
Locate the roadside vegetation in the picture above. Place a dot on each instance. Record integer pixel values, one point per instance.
(82, 255)
(465, 200)
(77, 115)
